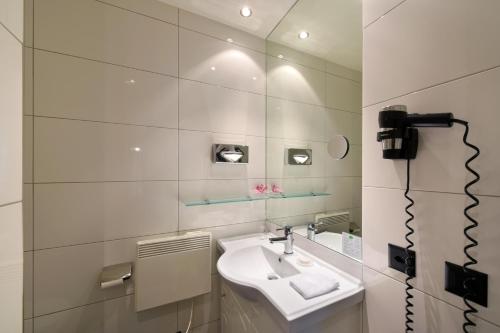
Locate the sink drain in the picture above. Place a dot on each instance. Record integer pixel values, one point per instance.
(272, 276)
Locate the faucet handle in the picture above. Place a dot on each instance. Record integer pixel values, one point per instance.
(287, 229)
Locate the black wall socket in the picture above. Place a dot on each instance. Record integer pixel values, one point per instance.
(397, 260)
(454, 283)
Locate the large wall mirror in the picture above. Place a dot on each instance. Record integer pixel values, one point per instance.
(314, 116)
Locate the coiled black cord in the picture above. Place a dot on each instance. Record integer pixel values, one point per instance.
(409, 261)
(471, 310)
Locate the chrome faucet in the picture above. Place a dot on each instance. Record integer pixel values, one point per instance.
(311, 231)
(287, 240)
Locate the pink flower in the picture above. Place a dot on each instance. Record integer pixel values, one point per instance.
(261, 188)
(276, 188)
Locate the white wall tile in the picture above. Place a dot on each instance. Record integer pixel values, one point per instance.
(69, 87)
(295, 56)
(293, 120)
(10, 118)
(210, 60)
(341, 190)
(438, 238)
(441, 155)
(195, 156)
(217, 215)
(28, 326)
(112, 316)
(27, 149)
(152, 8)
(28, 217)
(27, 80)
(11, 16)
(206, 107)
(28, 23)
(374, 9)
(68, 150)
(343, 94)
(28, 285)
(212, 327)
(342, 71)
(394, 65)
(295, 82)
(11, 268)
(95, 30)
(76, 213)
(215, 29)
(384, 298)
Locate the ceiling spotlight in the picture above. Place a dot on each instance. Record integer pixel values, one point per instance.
(280, 56)
(212, 68)
(246, 12)
(303, 35)
(230, 40)
(254, 78)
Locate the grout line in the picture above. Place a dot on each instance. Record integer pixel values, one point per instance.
(282, 18)
(141, 236)
(312, 104)
(465, 76)
(148, 181)
(430, 295)
(431, 191)
(387, 12)
(178, 136)
(32, 101)
(10, 203)
(11, 33)
(138, 13)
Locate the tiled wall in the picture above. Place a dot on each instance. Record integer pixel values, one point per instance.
(309, 102)
(11, 98)
(433, 56)
(123, 102)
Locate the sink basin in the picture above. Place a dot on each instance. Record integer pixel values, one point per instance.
(259, 263)
(251, 261)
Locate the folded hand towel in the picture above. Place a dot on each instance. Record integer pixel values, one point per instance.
(314, 283)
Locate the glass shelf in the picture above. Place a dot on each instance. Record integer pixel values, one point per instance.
(256, 198)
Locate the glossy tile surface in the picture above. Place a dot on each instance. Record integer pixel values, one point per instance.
(27, 149)
(218, 109)
(67, 150)
(11, 268)
(151, 8)
(211, 60)
(98, 31)
(28, 217)
(11, 16)
(76, 213)
(70, 87)
(343, 94)
(10, 118)
(215, 29)
(428, 61)
(28, 285)
(375, 9)
(295, 82)
(112, 316)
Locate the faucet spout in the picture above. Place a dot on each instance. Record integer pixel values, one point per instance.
(287, 240)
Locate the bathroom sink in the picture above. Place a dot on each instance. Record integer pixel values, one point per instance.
(252, 261)
(259, 263)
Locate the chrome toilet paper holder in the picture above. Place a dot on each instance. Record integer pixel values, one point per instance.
(115, 275)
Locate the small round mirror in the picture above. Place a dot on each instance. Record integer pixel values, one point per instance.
(338, 147)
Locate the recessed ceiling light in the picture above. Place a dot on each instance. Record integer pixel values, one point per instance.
(254, 78)
(230, 40)
(246, 12)
(212, 68)
(303, 35)
(280, 56)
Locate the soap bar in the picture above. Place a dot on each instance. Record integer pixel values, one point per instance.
(303, 261)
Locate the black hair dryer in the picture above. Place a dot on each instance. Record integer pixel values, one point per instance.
(399, 135)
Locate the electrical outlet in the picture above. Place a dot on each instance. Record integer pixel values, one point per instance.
(397, 260)
(454, 283)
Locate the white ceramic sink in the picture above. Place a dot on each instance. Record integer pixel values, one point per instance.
(253, 262)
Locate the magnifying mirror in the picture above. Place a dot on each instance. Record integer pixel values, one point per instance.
(338, 147)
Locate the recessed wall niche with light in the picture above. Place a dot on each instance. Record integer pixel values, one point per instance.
(229, 153)
(299, 156)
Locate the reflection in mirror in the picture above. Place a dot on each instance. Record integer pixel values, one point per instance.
(314, 103)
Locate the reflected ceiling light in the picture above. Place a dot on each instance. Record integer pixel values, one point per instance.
(230, 40)
(212, 68)
(131, 81)
(303, 35)
(246, 12)
(254, 78)
(280, 56)
(136, 149)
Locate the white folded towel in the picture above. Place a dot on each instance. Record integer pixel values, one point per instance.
(314, 283)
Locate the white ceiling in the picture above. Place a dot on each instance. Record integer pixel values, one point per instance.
(266, 13)
(335, 28)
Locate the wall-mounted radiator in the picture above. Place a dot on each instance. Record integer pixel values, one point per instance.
(171, 269)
